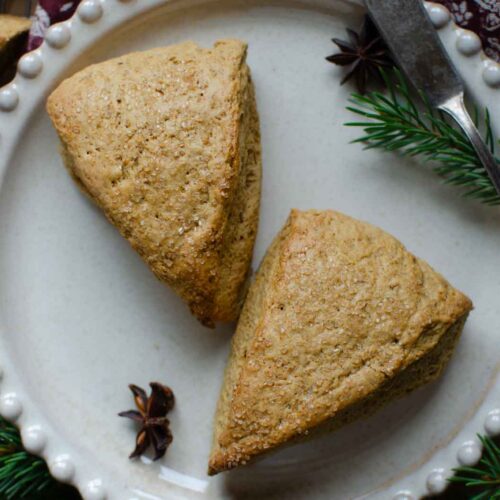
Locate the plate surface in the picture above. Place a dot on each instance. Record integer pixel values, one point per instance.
(81, 316)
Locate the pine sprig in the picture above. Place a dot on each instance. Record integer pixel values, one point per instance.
(398, 121)
(485, 475)
(21, 475)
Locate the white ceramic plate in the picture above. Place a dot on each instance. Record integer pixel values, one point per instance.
(81, 316)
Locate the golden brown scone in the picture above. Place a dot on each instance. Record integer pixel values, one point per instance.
(167, 143)
(340, 319)
(13, 31)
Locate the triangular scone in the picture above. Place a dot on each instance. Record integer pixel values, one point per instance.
(13, 33)
(341, 319)
(167, 143)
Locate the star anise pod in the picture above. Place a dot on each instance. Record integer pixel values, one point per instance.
(151, 415)
(364, 54)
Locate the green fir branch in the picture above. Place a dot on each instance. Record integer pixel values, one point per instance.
(21, 475)
(398, 121)
(485, 475)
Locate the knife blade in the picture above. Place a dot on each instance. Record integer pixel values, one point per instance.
(419, 53)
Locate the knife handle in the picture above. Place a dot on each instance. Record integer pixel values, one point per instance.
(455, 107)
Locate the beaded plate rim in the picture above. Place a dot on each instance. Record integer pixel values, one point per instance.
(66, 40)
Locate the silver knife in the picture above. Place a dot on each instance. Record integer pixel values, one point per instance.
(418, 51)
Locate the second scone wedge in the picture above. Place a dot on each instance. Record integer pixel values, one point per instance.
(340, 319)
(167, 143)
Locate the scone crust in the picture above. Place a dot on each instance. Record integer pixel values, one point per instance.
(157, 139)
(11, 27)
(13, 34)
(341, 319)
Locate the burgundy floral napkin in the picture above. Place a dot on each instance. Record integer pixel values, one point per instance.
(49, 12)
(481, 16)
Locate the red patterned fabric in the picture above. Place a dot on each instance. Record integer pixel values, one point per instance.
(49, 12)
(481, 16)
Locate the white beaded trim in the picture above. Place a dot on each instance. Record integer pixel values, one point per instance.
(62, 468)
(94, 490)
(90, 11)
(9, 98)
(35, 438)
(58, 36)
(30, 65)
(467, 43)
(469, 453)
(10, 406)
(440, 16)
(436, 481)
(492, 423)
(491, 74)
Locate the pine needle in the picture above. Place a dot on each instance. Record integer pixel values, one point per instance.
(485, 475)
(400, 121)
(21, 475)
